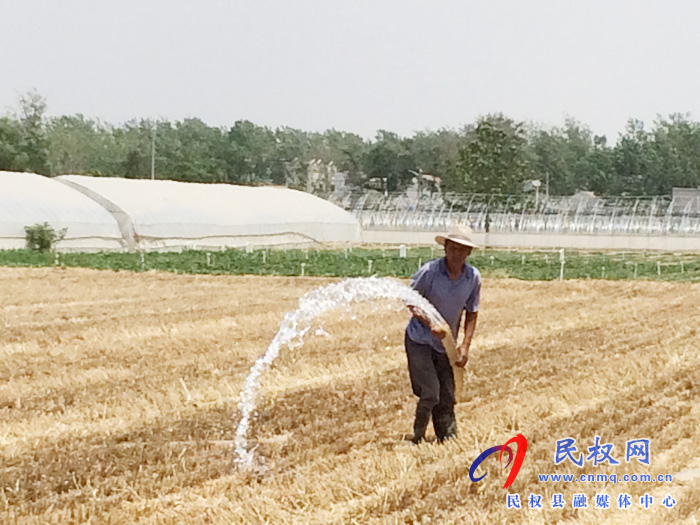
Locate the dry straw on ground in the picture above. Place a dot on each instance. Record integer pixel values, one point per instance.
(118, 396)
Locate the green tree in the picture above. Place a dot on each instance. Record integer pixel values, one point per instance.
(578, 145)
(494, 159)
(436, 152)
(676, 154)
(13, 156)
(348, 151)
(75, 145)
(602, 176)
(389, 159)
(249, 154)
(289, 157)
(632, 158)
(134, 140)
(190, 150)
(571, 158)
(34, 143)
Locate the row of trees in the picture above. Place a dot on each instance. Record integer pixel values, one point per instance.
(494, 155)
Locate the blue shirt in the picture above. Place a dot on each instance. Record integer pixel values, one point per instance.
(450, 298)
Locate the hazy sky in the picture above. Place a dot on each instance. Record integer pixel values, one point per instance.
(355, 65)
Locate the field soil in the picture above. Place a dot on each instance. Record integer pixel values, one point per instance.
(119, 394)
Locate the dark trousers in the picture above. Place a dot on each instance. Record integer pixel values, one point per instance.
(432, 381)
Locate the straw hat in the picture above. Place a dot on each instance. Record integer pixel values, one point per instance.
(460, 233)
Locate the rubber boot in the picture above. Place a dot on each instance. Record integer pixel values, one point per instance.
(445, 426)
(420, 424)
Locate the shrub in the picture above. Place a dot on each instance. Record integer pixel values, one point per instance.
(42, 237)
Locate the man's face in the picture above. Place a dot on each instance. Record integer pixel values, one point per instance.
(456, 253)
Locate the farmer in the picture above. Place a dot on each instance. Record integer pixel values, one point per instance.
(451, 286)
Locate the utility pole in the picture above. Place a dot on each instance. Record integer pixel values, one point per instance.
(153, 154)
(536, 184)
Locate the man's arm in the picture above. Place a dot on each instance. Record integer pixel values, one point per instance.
(471, 308)
(469, 327)
(420, 282)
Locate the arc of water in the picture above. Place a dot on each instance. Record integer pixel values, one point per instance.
(297, 323)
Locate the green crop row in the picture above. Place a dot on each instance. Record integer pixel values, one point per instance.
(382, 262)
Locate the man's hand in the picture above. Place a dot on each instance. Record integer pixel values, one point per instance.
(419, 313)
(463, 356)
(439, 331)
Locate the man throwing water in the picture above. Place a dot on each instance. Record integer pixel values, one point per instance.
(452, 286)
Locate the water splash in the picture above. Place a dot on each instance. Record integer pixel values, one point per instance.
(297, 323)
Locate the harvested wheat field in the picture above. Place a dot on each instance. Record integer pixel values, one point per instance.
(119, 393)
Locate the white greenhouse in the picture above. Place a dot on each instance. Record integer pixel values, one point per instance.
(136, 214)
(27, 199)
